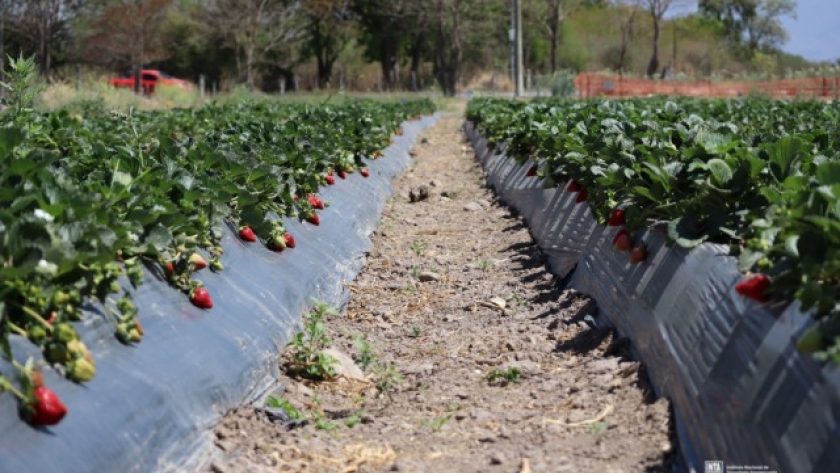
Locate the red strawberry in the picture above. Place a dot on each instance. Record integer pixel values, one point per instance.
(754, 287)
(198, 261)
(314, 219)
(295, 197)
(532, 171)
(574, 186)
(623, 242)
(247, 234)
(169, 267)
(342, 174)
(201, 298)
(623, 231)
(582, 196)
(617, 218)
(47, 408)
(330, 180)
(316, 202)
(364, 172)
(638, 254)
(290, 240)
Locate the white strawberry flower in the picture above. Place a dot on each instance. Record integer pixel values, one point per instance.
(45, 216)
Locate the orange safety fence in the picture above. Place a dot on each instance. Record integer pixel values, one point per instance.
(607, 85)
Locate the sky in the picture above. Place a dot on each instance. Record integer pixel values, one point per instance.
(815, 34)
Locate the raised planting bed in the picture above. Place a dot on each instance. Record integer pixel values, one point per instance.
(103, 216)
(704, 191)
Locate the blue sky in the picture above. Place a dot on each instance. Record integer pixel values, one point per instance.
(815, 34)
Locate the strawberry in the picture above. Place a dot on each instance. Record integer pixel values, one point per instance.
(295, 197)
(47, 408)
(247, 234)
(582, 196)
(617, 218)
(278, 243)
(811, 341)
(316, 202)
(37, 379)
(364, 172)
(623, 231)
(169, 267)
(754, 287)
(532, 171)
(314, 219)
(622, 242)
(330, 180)
(342, 174)
(201, 298)
(638, 254)
(198, 261)
(574, 186)
(289, 239)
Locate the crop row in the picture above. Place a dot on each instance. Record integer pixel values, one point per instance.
(90, 203)
(760, 176)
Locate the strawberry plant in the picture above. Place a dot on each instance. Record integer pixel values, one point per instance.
(91, 204)
(760, 176)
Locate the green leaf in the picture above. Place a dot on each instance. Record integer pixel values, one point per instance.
(721, 172)
(159, 237)
(828, 173)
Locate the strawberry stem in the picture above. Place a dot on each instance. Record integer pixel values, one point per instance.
(18, 330)
(37, 317)
(5, 385)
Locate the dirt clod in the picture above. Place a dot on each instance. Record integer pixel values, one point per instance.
(452, 383)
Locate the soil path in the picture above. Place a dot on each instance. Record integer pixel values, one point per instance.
(452, 383)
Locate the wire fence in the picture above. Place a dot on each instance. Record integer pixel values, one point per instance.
(615, 85)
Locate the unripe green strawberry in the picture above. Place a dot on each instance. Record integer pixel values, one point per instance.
(812, 341)
(81, 370)
(65, 332)
(56, 353)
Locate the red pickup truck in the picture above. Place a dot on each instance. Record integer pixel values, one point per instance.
(149, 79)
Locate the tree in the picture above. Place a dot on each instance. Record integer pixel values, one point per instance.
(127, 31)
(257, 29)
(556, 13)
(330, 25)
(627, 21)
(41, 24)
(657, 10)
(755, 24)
(384, 26)
(764, 29)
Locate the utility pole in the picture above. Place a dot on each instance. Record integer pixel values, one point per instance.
(512, 40)
(517, 7)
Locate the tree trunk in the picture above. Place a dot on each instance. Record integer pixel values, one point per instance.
(415, 67)
(324, 69)
(626, 35)
(554, 27)
(2, 53)
(249, 63)
(653, 66)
